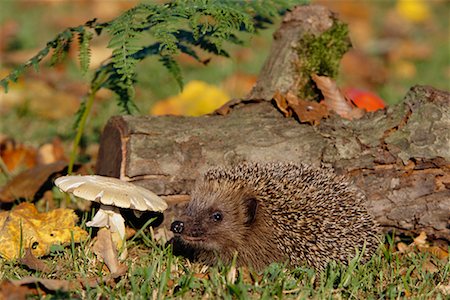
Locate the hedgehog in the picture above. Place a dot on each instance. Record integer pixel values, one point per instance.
(260, 213)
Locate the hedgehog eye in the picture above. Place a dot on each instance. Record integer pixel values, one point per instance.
(217, 216)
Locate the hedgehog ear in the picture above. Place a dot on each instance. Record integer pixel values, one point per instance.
(252, 207)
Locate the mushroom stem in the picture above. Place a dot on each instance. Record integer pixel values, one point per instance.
(110, 217)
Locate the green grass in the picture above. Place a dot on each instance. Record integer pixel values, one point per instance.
(154, 273)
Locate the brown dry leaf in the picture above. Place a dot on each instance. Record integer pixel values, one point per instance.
(201, 276)
(227, 107)
(420, 243)
(429, 267)
(50, 153)
(435, 250)
(129, 232)
(402, 247)
(33, 262)
(9, 291)
(17, 156)
(335, 100)
(281, 103)
(29, 182)
(106, 250)
(421, 239)
(25, 226)
(50, 284)
(307, 111)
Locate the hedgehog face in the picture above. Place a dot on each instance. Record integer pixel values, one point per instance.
(218, 217)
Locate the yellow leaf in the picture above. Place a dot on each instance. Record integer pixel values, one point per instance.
(198, 98)
(25, 227)
(413, 10)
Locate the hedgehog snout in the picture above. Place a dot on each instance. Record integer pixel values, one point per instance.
(177, 226)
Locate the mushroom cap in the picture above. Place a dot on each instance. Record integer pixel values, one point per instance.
(111, 191)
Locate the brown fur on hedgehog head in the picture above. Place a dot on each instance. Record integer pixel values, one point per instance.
(223, 218)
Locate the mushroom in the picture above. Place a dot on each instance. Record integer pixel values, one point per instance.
(111, 193)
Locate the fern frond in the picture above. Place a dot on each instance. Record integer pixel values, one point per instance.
(84, 55)
(173, 68)
(60, 45)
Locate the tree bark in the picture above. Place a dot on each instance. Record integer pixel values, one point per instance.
(282, 70)
(400, 157)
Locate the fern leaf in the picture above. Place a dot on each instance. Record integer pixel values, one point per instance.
(84, 55)
(61, 47)
(173, 68)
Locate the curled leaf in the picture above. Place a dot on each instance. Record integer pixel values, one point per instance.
(306, 111)
(105, 249)
(335, 100)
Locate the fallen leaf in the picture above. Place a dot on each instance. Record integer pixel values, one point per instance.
(50, 284)
(129, 232)
(33, 262)
(307, 111)
(105, 249)
(50, 153)
(226, 108)
(435, 250)
(28, 183)
(17, 156)
(420, 243)
(201, 276)
(402, 247)
(429, 267)
(25, 226)
(364, 99)
(281, 104)
(335, 100)
(416, 11)
(10, 291)
(421, 239)
(197, 98)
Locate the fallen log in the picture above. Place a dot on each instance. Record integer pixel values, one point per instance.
(400, 156)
